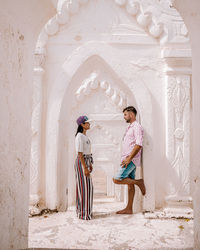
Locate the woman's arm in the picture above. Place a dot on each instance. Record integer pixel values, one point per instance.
(86, 171)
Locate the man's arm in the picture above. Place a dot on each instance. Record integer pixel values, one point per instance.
(133, 153)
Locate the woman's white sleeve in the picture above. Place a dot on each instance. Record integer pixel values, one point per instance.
(79, 144)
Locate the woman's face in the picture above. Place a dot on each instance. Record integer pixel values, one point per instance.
(86, 125)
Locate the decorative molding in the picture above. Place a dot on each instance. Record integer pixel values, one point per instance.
(106, 132)
(34, 162)
(169, 53)
(182, 171)
(178, 61)
(178, 95)
(39, 60)
(179, 133)
(107, 117)
(145, 19)
(92, 83)
(178, 70)
(177, 137)
(36, 126)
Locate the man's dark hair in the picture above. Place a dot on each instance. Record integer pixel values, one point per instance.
(130, 109)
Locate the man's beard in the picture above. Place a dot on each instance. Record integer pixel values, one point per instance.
(128, 121)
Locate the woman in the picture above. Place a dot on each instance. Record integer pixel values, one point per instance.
(83, 168)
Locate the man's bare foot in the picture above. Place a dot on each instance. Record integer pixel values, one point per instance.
(125, 211)
(115, 181)
(142, 187)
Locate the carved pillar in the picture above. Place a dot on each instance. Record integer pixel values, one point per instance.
(178, 75)
(36, 128)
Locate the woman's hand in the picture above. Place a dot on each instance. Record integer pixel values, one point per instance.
(91, 168)
(86, 172)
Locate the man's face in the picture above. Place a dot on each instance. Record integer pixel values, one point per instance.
(127, 116)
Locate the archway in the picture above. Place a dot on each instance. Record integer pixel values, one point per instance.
(137, 85)
(183, 32)
(104, 83)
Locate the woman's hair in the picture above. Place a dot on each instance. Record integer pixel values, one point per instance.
(79, 130)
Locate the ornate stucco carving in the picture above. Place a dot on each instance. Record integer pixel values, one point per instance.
(106, 132)
(178, 72)
(144, 19)
(36, 126)
(178, 95)
(178, 134)
(93, 82)
(158, 25)
(148, 21)
(64, 85)
(182, 188)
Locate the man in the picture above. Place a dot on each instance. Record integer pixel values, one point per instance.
(131, 157)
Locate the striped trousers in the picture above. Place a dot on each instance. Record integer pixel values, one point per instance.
(84, 193)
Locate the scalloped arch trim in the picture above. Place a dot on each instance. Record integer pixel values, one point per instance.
(146, 20)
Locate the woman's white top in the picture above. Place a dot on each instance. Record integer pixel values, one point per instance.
(82, 144)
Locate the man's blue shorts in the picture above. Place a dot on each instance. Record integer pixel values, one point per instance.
(126, 172)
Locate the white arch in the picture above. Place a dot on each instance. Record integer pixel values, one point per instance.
(57, 94)
(146, 20)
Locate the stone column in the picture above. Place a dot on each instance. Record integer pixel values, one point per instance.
(36, 129)
(178, 109)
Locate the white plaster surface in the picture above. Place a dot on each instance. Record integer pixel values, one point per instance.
(19, 28)
(123, 52)
(108, 230)
(190, 11)
(125, 37)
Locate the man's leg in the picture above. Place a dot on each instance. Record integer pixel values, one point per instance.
(129, 181)
(127, 176)
(129, 207)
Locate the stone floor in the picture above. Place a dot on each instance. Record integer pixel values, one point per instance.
(108, 230)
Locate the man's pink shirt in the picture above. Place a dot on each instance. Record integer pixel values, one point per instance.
(133, 136)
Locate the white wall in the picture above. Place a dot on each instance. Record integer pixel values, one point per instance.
(20, 23)
(130, 52)
(190, 11)
(133, 54)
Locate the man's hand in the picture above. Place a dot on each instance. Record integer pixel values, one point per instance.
(86, 172)
(128, 159)
(125, 162)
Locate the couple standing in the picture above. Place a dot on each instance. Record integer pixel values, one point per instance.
(131, 156)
